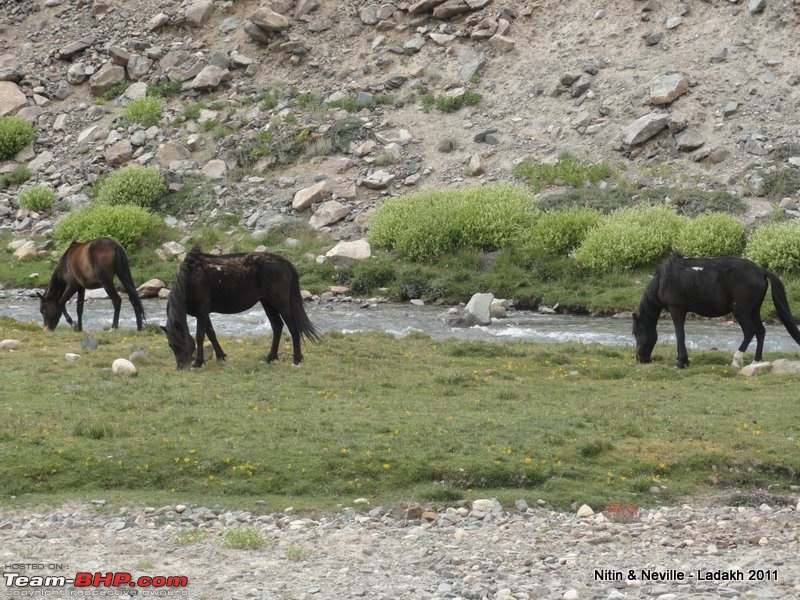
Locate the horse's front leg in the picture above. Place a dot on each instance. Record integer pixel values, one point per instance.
(62, 302)
(679, 320)
(202, 324)
(212, 337)
(79, 309)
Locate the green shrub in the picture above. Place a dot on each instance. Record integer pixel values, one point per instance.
(776, 246)
(561, 231)
(170, 89)
(712, 234)
(145, 111)
(126, 224)
(141, 186)
(630, 237)
(38, 198)
(568, 170)
(17, 175)
(427, 224)
(15, 134)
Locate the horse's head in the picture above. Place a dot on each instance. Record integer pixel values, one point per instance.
(51, 312)
(646, 336)
(179, 340)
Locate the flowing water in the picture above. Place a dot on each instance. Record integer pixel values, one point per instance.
(402, 319)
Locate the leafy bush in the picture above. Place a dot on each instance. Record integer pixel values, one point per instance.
(140, 186)
(630, 237)
(427, 224)
(38, 198)
(569, 169)
(126, 224)
(783, 182)
(145, 111)
(15, 134)
(17, 175)
(776, 246)
(561, 231)
(694, 201)
(712, 234)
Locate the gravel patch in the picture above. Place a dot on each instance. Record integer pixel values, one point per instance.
(477, 551)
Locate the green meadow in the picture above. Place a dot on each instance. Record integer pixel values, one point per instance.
(386, 419)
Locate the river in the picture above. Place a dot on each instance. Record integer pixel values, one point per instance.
(402, 319)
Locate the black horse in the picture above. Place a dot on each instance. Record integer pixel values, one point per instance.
(88, 265)
(710, 287)
(232, 283)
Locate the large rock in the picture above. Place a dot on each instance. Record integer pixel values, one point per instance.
(11, 98)
(171, 152)
(348, 253)
(328, 213)
(479, 306)
(269, 20)
(119, 153)
(122, 366)
(108, 76)
(216, 168)
(150, 288)
(306, 197)
(198, 13)
(209, 78)
(424, 6)
(667, 88)
(26, 251)
(378, 180)
(643, 128)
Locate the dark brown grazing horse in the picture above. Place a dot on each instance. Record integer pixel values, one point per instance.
(88, 265)
(710, 287)
(232, 283)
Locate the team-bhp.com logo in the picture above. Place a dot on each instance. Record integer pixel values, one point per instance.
(95, 580)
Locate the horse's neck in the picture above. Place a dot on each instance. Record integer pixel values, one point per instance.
(650, 306)
(57, 285)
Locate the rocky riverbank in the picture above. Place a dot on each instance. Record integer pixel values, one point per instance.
(478, 550)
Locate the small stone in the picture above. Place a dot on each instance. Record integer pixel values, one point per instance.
(585, 511)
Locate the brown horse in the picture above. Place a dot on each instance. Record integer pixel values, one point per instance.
(88, 265)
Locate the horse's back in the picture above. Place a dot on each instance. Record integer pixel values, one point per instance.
(232, 283)
(711, 286)
(90, 263)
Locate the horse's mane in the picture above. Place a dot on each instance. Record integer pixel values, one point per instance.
(176, 304)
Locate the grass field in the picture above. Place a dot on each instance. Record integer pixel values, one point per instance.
(392, 420)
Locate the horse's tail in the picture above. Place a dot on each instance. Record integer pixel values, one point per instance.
(782, 305)
(125, 277)
(296, 305)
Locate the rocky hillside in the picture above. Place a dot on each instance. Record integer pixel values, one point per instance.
(320, 108)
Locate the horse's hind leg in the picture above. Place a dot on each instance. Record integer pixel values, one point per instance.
(276, 323)
(212, 337)
(749, 330)
(79, 308)
(761, 333)
(115, 300)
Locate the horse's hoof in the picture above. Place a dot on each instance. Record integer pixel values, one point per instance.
(222, 357)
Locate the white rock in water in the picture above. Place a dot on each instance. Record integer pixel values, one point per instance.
(122, 366)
